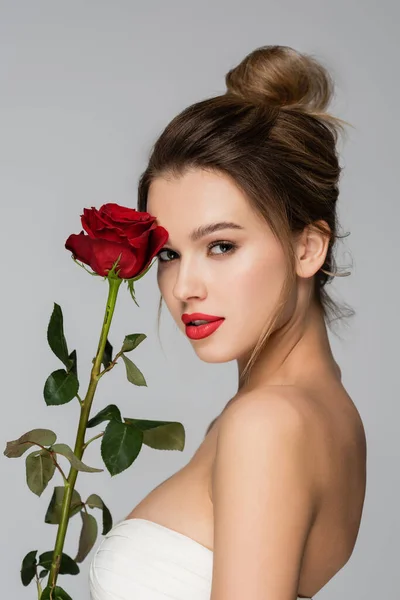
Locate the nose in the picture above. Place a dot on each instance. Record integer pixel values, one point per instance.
(189, 283)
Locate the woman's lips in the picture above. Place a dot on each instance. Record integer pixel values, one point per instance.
(196, 316)
(197, 332)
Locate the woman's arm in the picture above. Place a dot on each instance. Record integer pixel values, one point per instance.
(264, 498)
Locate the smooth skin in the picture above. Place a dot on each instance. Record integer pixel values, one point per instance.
(267, 479)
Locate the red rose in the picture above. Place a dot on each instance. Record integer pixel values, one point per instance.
(115, 230)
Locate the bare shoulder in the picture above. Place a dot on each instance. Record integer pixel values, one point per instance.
(318, 428)
(277, 420)
(282, 406)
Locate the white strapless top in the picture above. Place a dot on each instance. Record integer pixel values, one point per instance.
(142, 560)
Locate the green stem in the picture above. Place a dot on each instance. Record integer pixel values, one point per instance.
(58, 467)
(112, 364)
(86, 444)
(39, 587)
(114, 284)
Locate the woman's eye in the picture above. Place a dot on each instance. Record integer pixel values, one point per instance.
(229, 245)
(164, 259)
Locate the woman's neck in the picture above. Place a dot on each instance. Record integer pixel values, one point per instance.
(293, 353)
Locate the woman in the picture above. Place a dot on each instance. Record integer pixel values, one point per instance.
(270, 505)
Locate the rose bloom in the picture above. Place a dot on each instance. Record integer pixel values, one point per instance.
(113, 230)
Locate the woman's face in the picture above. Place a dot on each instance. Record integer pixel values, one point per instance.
(234, 273)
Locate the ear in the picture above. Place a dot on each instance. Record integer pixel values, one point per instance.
(311, 249)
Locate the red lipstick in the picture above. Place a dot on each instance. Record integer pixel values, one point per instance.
(196, 332)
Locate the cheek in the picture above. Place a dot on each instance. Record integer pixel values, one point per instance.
(257, 285)
(262, 268)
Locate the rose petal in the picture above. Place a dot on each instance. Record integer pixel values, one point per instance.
(136, 237)
(80, 246)
(106, 253)
(93, 223)
(124, 214)
(158, 237)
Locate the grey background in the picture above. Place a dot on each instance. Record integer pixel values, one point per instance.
(86, 87)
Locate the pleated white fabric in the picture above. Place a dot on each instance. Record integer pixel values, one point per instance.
(142, 560)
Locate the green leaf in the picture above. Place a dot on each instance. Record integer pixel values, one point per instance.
(53, 514)
(107, 355)
(67, 565)
(106, 414)
(131, 289)
(88, 536)
(120, 445)
(74, 366)
(39, 470)
(132, 372)
(160, 435)
(28, 568)
(94, 501)
(56, 338)
(58, 594)
(60, 387)
(43, 573)
(77, 464)
(132, 341)
(16, 448)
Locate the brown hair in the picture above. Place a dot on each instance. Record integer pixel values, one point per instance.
(270, 133)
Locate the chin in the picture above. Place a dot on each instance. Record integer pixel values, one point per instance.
(215, 355)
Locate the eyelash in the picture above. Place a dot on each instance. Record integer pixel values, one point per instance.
(232, 248)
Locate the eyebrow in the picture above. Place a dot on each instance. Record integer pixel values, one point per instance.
(204, 230)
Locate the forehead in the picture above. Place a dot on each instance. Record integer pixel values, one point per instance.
(197, 197)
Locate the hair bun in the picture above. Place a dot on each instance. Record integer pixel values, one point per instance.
(282, 77)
